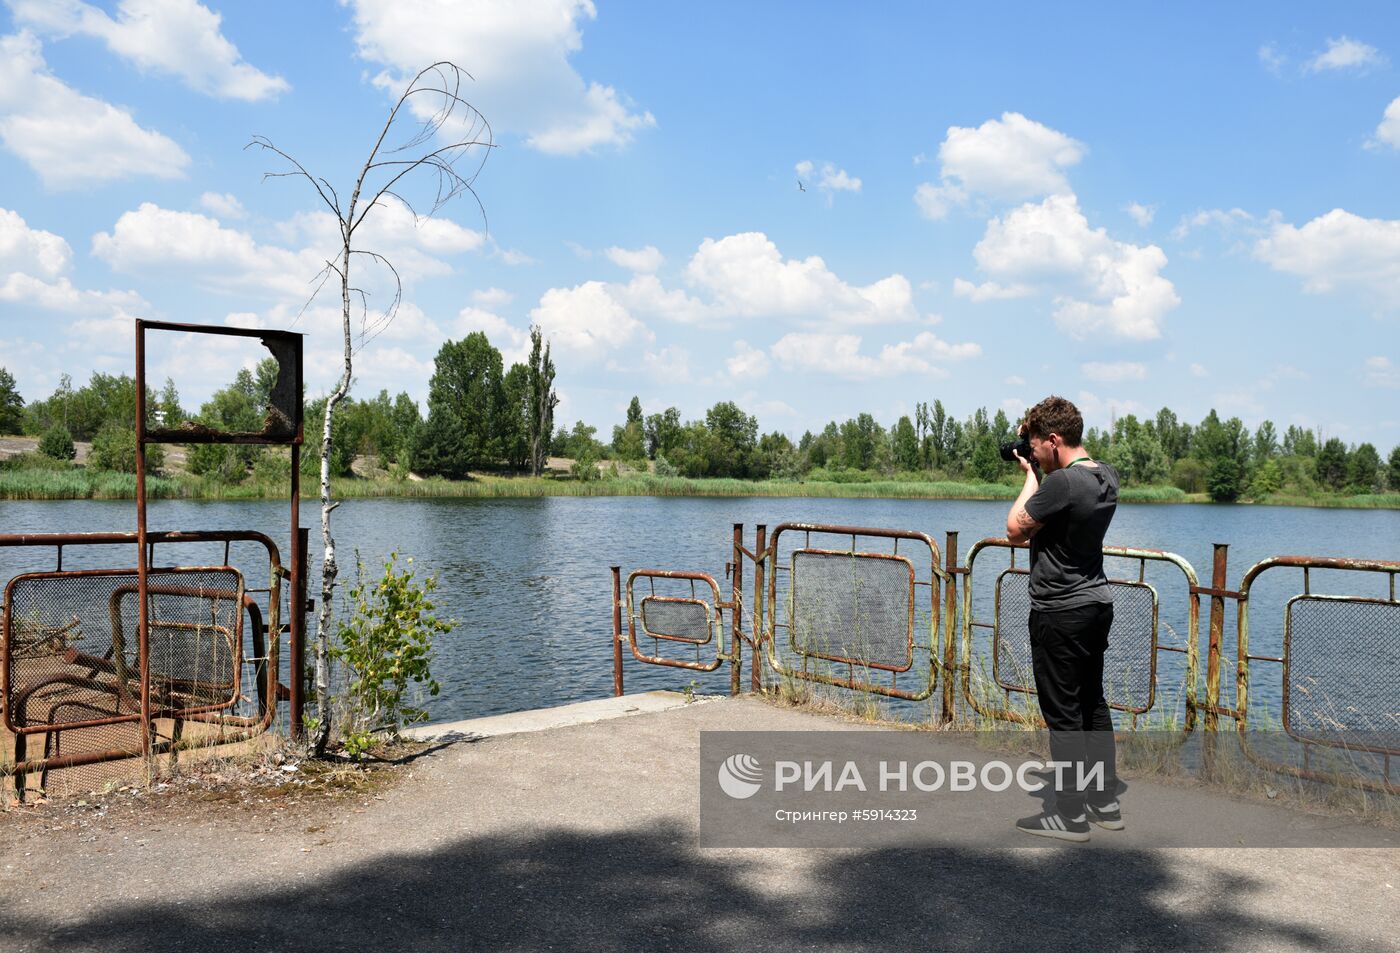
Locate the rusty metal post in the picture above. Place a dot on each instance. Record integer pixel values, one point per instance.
(950, 657)
(1217, 629)
(736, 641)
(296, 666)
(142, 567)
(759, 564)
(617, 629)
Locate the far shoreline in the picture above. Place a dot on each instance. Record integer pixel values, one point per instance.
(79, 484)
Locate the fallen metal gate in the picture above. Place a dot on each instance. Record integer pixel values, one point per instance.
(74, 675)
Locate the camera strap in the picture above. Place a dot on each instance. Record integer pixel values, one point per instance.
(1077, 460)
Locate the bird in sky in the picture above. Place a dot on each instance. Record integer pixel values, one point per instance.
(800, 186)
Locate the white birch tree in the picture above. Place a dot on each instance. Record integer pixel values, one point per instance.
(432, 145)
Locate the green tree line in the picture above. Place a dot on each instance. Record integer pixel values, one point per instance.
(482, 416)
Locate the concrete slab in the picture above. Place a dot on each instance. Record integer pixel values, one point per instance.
(543, 719)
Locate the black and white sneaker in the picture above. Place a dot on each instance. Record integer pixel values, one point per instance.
(1054, 824)
(1108, 816)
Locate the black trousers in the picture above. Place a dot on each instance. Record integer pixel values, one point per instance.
(1067, 649)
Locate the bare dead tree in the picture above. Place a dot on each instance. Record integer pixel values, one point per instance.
(445, 141)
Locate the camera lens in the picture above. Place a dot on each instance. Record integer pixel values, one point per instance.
(1021, 446)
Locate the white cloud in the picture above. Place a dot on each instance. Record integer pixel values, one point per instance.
(68, 139)
(670, 365)
(33, 267)
(989, 291)
(839, 355)
(151, 239)
(1338, 250)
(646, 260)
(1097, 283)
(1225, 220)
(178, 37)
(749, 277)
(1103, 409)
(1382, 372)
(1115, 372)
(831, 179)
(646, 295)
(587, 321)
(512, 257)
(746, 363)
(513, 343)
(1142, 214)
(519, 56)
(1344, 53)
(1388, 132)
(1198, 370)
(1273, 60)
(31, 249)
(492, 298)
(390, 228)
(61, 295)
(767, 409)
(1008, 158)
(936, 201)
(223, 204)
(1015, 380)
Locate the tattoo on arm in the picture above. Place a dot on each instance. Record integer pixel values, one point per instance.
(1025, 526)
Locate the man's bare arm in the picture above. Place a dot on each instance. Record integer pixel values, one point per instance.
(1019, 525)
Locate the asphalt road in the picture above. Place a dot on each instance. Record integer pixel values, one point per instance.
(584, 837)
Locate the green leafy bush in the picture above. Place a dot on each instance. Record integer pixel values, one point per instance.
(114, 450)
(57, 444)
(386, 644)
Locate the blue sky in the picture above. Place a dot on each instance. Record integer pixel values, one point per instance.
(1193, 205)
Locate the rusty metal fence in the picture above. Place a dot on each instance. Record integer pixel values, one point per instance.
(1337, 664)
(846, 606)
(106, 668)
(875, 612)
(82, 702)
(994, 673)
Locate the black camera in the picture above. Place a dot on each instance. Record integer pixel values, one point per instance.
(1021, 446)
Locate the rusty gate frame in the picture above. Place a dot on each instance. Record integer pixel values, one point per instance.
(1243, 657)
(938, 576)
(266, 646)
(714, 622)
(282, 426)
(1191, 650)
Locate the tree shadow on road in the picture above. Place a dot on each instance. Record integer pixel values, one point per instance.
(651, 889)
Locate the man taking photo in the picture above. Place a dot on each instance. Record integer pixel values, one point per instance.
(1064, 516)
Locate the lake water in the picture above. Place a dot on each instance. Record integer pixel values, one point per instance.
(529, 584)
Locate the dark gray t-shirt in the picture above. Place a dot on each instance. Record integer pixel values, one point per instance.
(1074, 506)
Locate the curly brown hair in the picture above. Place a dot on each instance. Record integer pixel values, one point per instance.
(1055, 415)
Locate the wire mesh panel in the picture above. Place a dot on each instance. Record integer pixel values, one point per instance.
(1340, 659)
(1336, 655)
(853, 607)
(996, 635)
(71, 663)
(677, 619)
(85, 624)
(678, 613)
(1128, 664)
